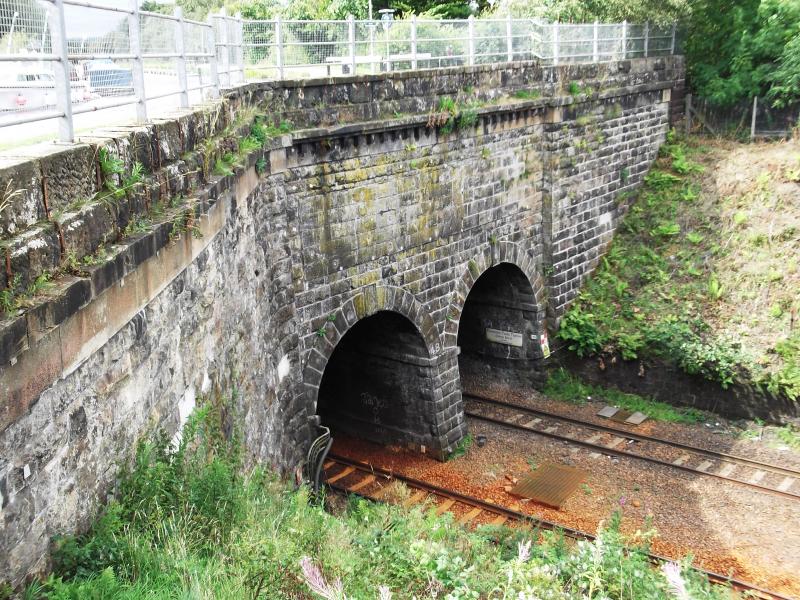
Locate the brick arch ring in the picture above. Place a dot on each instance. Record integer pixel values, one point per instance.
(366, 302)
(493, 255)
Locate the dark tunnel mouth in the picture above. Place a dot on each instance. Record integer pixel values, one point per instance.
(378, 383)
(498, 331)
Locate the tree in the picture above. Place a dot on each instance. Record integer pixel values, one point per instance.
(737, 52)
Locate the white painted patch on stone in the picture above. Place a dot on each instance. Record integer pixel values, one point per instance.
(604, 219)
(26, 471)
(284, 366)
(205, 387)
(187, 405)
(185, 408)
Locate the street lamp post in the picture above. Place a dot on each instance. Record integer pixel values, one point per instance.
(387, 16)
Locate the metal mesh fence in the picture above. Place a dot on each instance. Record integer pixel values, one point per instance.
(296, 49)
(119, 57)
(738, 121)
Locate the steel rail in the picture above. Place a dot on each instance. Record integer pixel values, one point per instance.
(497, 509)
(623, 453)
(778, 470)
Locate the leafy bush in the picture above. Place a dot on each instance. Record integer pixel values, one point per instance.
(578, 329)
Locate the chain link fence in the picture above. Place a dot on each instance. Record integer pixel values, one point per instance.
(63, 61)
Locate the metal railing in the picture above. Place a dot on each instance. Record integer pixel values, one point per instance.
(279, 49)
(65, 58)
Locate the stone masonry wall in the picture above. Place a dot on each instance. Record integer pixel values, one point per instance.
(362, 208)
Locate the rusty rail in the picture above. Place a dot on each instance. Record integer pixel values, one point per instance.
(641, 438)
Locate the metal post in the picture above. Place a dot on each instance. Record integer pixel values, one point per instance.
(180, 62)
(646, 37)
(279, 46)
(351, 38)
(137, 64)
(240, 45)
(672, 43)
(471, 39)
(223, 44)
(688, 114)
(509, 38)
(753, 119)
(11, 31)
(371, 42)
(624, 40)
(414, 41)
(212, 62)
(555, 43)
(44, 30)
(58, 38)
(596, 43)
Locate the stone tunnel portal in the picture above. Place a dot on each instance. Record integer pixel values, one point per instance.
(378, 383)
(498, 333)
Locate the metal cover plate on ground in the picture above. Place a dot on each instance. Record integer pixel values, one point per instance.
(636, 418)
(621, 416)
(608, 412)
(550, 484)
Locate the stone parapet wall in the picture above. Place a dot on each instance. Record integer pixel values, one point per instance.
(195, 280)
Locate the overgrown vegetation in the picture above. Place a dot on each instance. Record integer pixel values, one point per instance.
(564, 386)
(190, 522)
(705, 281)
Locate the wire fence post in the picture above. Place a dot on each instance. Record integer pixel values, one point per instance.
(555, 43)
(509, 38)
(414, 41)
(471, 39)
(596, 43)
(646, 38)
(137, 64)
(180, 62)
(212, 61)
(223, 45)
(279, 46)
(58, 37)
(239, 45)
(753, 119)
(351, 42)
(624, 40)
(672, 42)
(688, 114)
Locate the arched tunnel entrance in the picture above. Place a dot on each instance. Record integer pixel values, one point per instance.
(378, 383)
(498, 333)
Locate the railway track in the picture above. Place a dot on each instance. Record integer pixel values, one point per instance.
(355, 477)
(603, 439)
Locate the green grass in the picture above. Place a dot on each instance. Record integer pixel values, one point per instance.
(562, 385)
(789, 435)
(193, 523)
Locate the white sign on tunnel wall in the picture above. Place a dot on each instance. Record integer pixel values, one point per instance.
(509, 338)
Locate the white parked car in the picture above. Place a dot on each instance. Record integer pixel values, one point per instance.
(31, 87)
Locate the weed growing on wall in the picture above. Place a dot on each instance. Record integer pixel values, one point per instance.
(191, 522)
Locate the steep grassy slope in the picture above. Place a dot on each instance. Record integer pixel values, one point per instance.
(705, 270)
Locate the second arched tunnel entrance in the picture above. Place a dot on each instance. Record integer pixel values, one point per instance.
(499, 329)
